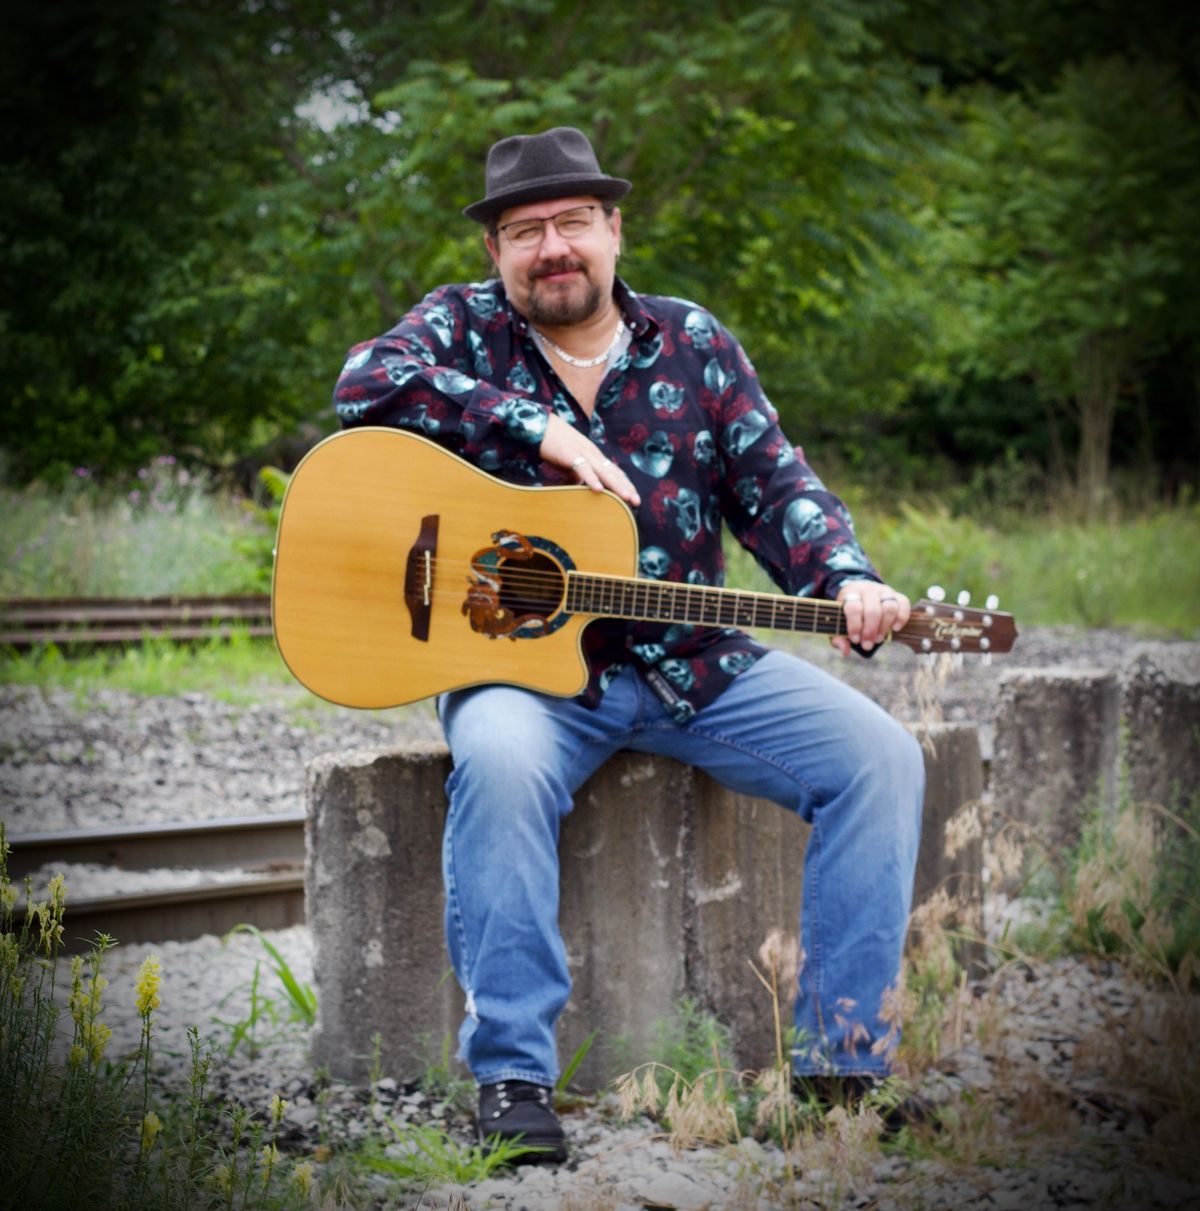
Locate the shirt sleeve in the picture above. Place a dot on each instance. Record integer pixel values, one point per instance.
(434, 373)
(774, 503)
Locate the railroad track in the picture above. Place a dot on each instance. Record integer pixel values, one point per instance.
(267, 890)
(28, 621)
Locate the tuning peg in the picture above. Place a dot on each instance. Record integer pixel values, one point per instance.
(964, 597)
(936, 593)
(985, 658)
(992, 602)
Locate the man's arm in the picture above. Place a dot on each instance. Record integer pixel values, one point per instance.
(779, 509)
(434, 373)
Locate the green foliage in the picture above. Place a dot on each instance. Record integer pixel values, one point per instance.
(299, 999)
(1068, 234)
(78, 1129)
(423, 1155)
(165, 531)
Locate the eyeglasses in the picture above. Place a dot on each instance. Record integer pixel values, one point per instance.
(570, 224)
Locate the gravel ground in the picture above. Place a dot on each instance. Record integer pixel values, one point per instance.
(1053, 1066)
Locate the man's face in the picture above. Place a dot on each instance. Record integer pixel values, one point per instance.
(559, 281)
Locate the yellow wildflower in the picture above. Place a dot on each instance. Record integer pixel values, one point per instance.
(58, 893)
(222, 1177)
(96, 1035)
(8, 899)
(77, 1056)
(149, 978)
(302, 1177)
(269, 1156)
(278, 1106)
(151, 1126)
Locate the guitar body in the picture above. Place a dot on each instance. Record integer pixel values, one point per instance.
(368, 593)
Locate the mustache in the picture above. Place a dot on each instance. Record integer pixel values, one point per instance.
(562, 265)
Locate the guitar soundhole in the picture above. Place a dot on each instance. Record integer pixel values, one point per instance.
(531, 586)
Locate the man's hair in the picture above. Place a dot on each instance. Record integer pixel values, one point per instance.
(493, 228)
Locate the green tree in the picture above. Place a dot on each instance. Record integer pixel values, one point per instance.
(1069, 240)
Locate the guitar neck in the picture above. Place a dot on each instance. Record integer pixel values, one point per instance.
(700, 605)
(933, 626)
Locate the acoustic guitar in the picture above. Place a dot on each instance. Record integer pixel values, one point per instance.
(402, 571)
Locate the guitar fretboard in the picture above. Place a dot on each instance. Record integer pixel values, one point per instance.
(668, 601)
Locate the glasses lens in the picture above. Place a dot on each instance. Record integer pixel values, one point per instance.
(569, 223)
(573, 222)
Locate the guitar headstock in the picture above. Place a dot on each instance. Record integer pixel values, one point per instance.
(936, 625)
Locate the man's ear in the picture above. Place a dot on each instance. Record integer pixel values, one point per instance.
(491, 247)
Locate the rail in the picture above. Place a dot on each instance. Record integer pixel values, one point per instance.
(266, 852)
(29, 621)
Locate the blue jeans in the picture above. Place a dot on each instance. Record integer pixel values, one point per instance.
(783, 730)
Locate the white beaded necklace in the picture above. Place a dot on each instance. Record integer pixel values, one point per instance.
(582, 363)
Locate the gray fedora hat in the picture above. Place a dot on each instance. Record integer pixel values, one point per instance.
(555, 164)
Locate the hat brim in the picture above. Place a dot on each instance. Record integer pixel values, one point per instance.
(608, 189)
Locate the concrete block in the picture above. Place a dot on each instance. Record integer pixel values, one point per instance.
(949, 874)
(373, 900)
(1056, 751)
(1160, 723)
(670, 883)
(623, 908)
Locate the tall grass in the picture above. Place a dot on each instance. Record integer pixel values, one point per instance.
(164, 531)
(1141, 570)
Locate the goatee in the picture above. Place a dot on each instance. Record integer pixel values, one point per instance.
(562, 308)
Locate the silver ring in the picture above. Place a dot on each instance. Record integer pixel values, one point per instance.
(577, 463)
(882, 599)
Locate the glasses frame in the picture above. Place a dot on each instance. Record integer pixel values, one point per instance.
(552, 218)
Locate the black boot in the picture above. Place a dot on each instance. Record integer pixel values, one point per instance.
(513, 1109)
(896, 1107)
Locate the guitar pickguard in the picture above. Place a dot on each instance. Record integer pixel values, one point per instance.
(517, 587)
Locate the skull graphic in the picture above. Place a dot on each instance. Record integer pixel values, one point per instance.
(653, 563)
(666, 397)
(734, 663)
(704, 449)
(678, 673)
(684, 510)
(849, 557)
(438, 317)
(453, 383)
(400, 369)
(743, 432)
(524, 419)
(519, 379)
(648, 351)
(715, 377)
(650, 652)
(479, 354)
(655, 455)
(484, 304)
(803, 522)
(701, 328)
(355, 360)
(749, 492)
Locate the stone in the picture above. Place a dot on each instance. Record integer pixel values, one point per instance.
(1056, 753)
(1160, 723)
(669, 885)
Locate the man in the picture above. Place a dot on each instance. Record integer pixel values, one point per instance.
(558, 372)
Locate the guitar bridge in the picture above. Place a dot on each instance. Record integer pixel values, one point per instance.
(418, 577)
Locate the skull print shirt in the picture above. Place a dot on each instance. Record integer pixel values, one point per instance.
(681, 410)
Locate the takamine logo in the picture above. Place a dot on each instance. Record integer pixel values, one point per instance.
(955, 630)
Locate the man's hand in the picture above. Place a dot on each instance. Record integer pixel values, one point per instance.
(566, 447)
(872, 612)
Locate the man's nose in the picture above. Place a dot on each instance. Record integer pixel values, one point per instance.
(553, 246)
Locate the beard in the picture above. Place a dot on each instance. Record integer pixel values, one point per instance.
(556, 308)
